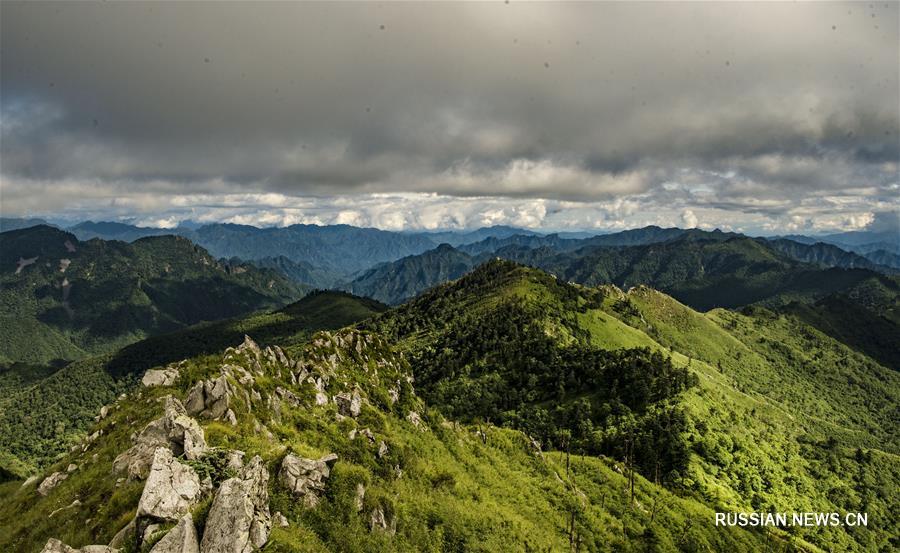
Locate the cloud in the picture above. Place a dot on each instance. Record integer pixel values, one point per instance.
(689, 219)
(766, 111)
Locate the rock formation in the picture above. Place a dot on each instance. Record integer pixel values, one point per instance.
(160, 377)
(171, 489)
(239, 519)
(56, 546)
(180, 539)
(175, 430)
(210, 398)
(305, 478)
(380, 522)
(348, 404)
(51, 482)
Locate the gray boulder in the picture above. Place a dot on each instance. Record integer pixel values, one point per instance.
(30, 480)
(280, 520)
(235, 460)
(51, 482)
(305, 478)
(123, 536)
(210, 398)
(160, 377)
(181, 539)
(416, 420)
(175, 430)
(195, 401)
(239, 519)
(171, 489)
(55, 546)
(380, 522)
(348, 404)
(360, 498)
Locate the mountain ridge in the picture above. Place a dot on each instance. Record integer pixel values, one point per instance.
(97, 295)
(740, 421)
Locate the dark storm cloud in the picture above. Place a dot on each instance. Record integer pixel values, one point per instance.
(750, 107)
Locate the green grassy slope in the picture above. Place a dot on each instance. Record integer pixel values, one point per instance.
(783, 416)
(41, 417)
(447, 487)
(749, 411)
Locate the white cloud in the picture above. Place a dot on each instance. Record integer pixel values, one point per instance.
(689, 219)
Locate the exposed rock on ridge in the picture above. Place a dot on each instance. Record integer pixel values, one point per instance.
(239, 519)
(175, 431)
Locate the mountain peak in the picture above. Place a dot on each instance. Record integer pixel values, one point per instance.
(444, 247)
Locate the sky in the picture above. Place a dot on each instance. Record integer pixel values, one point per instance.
(762, 118)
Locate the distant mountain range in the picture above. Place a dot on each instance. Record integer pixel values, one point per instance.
(861, 242)
(15, 223)
(64, 298)
(704, 270)
(331, 256)
(663, 258)
(324, 255)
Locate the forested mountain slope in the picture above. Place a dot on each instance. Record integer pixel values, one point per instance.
(650, 415)
(768, 385)
(44, 410)
(63, 299)
(704, 270)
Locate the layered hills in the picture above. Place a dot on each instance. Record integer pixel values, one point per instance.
(44, 410)
(64, 299)
(860, 306)
(506, 410)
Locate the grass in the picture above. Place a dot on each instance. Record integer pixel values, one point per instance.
(784, 418)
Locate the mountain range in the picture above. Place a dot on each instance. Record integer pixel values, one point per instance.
(508, 409)
(860, 306)
(339, 253)
(64, 299)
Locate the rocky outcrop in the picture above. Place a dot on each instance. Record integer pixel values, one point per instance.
(416, 420)
(195, 402)
(181, 539)
(279, 520)
(365, 433)
(175, 430)
(56, 546)
(71, 505)
(30, 480)
(360, 497)
(239, 519)
(348, 404)
(235, 460)
(51, 482)
(210, 398)
(380, 522)
(123, 536)
(160, 377)
(171, 490)
(305, 478)
(536, 448)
